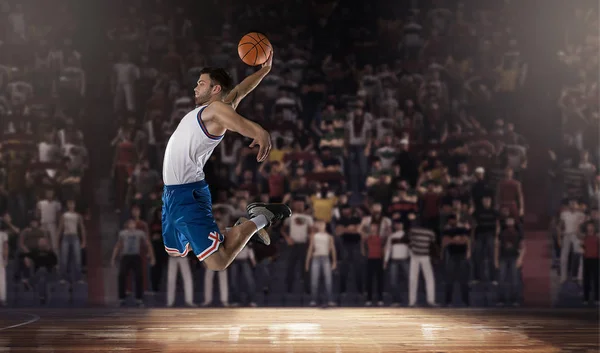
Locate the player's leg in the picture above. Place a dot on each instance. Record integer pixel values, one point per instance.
(261, 216)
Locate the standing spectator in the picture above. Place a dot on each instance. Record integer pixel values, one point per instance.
(373, 249)
(182, 264)
(41, 264)
(72, 238)
(396, 252)
(456, 245)
(591, 248)
(141, 225)
(321, 245)
(510, 250)
(420, 242)
(480, 188)
(348, 229)
(295, 231)
(358, 136)
(485, 233)
(510, 194)
(209, 277)
(3, 264)
(570, 223)
(129, 246)
(242, 267)
(48, 210)
(158, 247)
(123, 81)
(384, 224)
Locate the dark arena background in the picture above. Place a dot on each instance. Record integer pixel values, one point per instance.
(471, 124)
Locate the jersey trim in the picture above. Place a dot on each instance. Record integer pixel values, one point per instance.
(204, 129)
(216, 240)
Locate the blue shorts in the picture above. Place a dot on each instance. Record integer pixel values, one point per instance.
(188, 222)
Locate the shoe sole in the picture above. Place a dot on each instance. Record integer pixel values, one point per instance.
(254, 205)
(262, 233)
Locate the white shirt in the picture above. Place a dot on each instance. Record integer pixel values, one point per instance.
(48, 211)
(572, 220)
(299, 227)
(385, 227)
(321, 242)
(45, 151)
(3, 239)
(127, 73)
(189, 148)
(396, 251)
(70, 223)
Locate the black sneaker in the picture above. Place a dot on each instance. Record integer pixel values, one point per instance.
(273, 211)
(262, 236)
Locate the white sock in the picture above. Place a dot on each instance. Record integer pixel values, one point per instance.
(260, 221)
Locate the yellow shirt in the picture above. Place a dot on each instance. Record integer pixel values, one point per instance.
(277, 155)
(323, 208)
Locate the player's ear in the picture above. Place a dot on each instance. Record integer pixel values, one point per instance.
(217, 89)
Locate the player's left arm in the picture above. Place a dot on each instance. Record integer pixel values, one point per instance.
(248, 84)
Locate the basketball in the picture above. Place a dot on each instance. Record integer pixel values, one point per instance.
(254, 49)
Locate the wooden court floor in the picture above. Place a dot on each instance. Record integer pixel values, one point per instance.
(299, 330)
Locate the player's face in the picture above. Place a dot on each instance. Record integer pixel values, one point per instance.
(203, 90)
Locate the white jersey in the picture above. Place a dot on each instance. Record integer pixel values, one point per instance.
(188, 150)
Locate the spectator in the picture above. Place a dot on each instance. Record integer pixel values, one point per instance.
(72, 239)
(510, 194)
(456, 247)
(156, 272)
(510, 251)
(397, 258)
(485, 232)
(129, 245)
(296, 231)
(182, 264)
(591, 248)
(40, 266)
(568, 229)
(420, 241)
(320, 246)
(372, 247)
(348, 229)
(3, 264)
(242, 266)
(209, 276)
(125, 73)
(48, 210)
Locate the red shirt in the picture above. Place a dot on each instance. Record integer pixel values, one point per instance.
(508, 192)
(431, 205)
(591, 245)
(276, 185)
(374, 247)
(126, 154)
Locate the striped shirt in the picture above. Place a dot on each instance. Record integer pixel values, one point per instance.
(420, 240)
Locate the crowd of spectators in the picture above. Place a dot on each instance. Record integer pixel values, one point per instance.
(574, 176)
(394, 143)
(43, 158)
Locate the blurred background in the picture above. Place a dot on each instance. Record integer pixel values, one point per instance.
(471, 122)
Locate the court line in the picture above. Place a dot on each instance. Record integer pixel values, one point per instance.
(33, 319)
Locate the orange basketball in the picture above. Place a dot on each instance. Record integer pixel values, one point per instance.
(254, 49)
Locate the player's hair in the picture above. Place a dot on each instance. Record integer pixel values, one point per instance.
(219, 76)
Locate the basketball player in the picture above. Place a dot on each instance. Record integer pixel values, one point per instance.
(188, 223)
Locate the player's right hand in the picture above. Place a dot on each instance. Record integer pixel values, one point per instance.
(263, 140)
